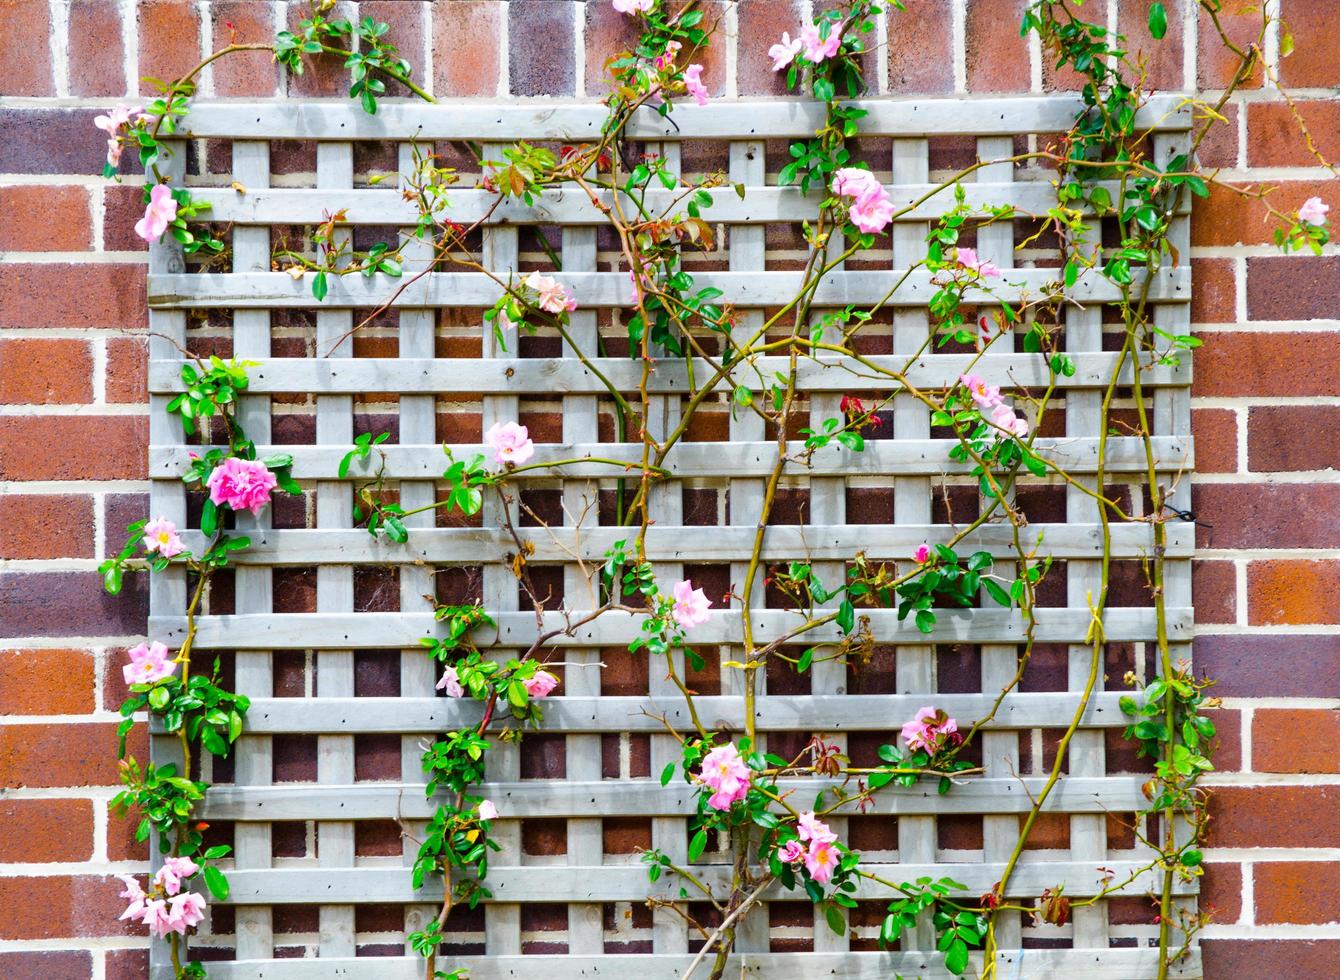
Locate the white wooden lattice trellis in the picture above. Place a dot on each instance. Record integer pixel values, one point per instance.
(912, 463)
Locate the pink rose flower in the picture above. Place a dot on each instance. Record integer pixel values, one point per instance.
(634, 6)
(1004, 417)
(159, 213)
(541, 684)
(690, 608)
(114, 150)
(811, 828)
(820, 861)
(160, 535)
(451, 683)
(510, 443)
(816, 48)
(174, 872)
(694, 83)
(666, 59)
(1313, 211)
(986, 396)
(928, 729)
(553, 298)
(967, 257)
(871, 210)
(872, 215)
(115, 118)
(487, 811)
(242, 484)
(186, 911)
(158, 917)
(725, 773)
(136, 896)
(922, 554)
(791, 852)
(149, 664)
(784, 51)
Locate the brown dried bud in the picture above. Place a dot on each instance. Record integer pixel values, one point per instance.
(1055, 907)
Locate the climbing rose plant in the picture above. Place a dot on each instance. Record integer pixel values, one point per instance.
(740, 795)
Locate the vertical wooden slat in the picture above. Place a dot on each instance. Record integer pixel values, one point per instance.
(335, 583)
(167, 497)
(1000, 662)
(418, 426)
(254, 583)
(915, 670)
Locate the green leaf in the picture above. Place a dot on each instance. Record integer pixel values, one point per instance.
(698, 844)
(806, 658)
(209, 519)
(320, 286)
(846, 616)
(996, 591)
(835, 920)
(667, 774)
(956, 957)
(111, 580)
(1158, 21)
(216, 882)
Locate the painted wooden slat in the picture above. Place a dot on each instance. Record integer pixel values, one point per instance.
(279, 290)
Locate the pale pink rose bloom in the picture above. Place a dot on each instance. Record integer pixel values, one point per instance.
(510, 443)
(811, 828)
(791, 852)
(816, 48)
(136, 895)
(160, 535)
(820, 861)
(693, 81)
(986, 396)
(487, 811)
(784, 51)
(242, 484)
(666, 58)
(1004, 417)
(186, 911)
(149, 664)
(553, 298)
(114, 149)
(634, 6)
(158, 214)
(922, 554)
(691, 605)
(924, 731)
(871, 210)
(451, 683)
(158, 917)
(541, 684)
(1313, 211)
(967, 257)
(174, 872)
(725, 773)
(855, 182)
(114, 119)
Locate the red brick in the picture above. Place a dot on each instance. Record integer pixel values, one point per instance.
(1275, 816)
(1317, 959)
(1295, 740)
(1216, 63)
(1226, 749)
(122, 206)
(45, 219)
(762, 22)
(68, 447)
(473, 26)
(66, 964)
(1221, 892)
(1312, 63)
(1267, 515)
(71, 906)
(1275, 139)
(1265, 364)
(97, 49)
(169, 33)
(1291, 592)
(1216, 432)
(1284, 438)
(26, 688)
(540, 44)
(46, 830)
(1293, 287)
(1219, 148)
(25, 26)
(252, 73)
(921, 58)
(37, 371)
(46, 526)
(127, 370)
(70, 604)
(997, 56)
(58, 755)
(1214, 292)
(608, 34)
(1299, 892)
(108, 296)
(52, 141)
(406, 18)
(326, 74)
(1227, 217)
(1162, 58)
(1269, 666)
(1214, 588)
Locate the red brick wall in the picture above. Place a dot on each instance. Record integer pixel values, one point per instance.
(73, 428)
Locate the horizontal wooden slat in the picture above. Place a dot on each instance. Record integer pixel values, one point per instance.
(881, 457)
(678, 544)
(572, 206)
(297, 631)
(463, 376)
(1016, 964)
(628, 883)
(821, 713)
(270, 290)
(462, 119)
(647, 797)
